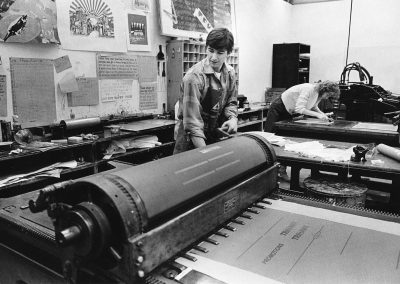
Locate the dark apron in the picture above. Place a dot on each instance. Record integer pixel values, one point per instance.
(211, 110)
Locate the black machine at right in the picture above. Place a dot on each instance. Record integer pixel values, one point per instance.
(365, 101)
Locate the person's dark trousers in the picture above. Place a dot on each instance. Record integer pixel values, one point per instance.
(276, 112)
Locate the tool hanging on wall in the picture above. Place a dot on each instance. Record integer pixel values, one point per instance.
(163, 71)
(160, 54)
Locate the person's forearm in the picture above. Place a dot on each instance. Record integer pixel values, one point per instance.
(311, 113)
(316, 109)
(198, 141)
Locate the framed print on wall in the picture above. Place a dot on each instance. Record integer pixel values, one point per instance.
(195, 18)
(138, 31)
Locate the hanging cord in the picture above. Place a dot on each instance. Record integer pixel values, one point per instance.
(348, 37)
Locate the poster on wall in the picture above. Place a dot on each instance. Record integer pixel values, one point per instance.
(33, 93)
(115, 90)
(28, 21)
(138, 31)
(195, 18)
(87, 94)
(3, 95)
(148, 96)
(143, 5)
(94, 25)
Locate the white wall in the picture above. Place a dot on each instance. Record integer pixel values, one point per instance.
(324, 26)
(83, 64)
(260, 23)
(374, 38)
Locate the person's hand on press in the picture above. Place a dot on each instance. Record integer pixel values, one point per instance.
(330, 116)
(230, 126)
(323, 116)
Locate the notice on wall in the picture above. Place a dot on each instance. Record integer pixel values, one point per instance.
(115, 90)
(3, 95)
(62, 63)
(68, 83)
(87, 94)
(117, 67)
(33, 92)
(147, 68)
(148, 96)
(141, 5)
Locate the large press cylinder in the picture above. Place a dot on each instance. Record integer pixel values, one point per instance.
(148, 194)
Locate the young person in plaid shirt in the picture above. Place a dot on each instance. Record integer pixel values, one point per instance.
(208, 95)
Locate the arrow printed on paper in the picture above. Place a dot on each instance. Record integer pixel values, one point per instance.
(203, 20)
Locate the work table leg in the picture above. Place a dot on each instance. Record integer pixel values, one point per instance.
(294, 178)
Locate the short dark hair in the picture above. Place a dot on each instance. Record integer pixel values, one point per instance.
(329, 87)
(220, 39)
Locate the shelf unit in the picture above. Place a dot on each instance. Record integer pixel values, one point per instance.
(291, 64)
(181, 56)
(88, 154)
(253, 119)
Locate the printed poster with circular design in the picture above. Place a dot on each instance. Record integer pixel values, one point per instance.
(95, 25)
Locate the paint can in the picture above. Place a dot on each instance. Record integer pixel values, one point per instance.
(336, 191)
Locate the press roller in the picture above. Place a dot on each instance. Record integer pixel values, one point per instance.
(128, 222)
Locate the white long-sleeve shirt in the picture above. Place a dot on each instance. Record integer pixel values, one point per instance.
(301, 97)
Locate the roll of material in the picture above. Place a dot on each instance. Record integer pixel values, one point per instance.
(80, 123)
(74, 139)
(389, 151)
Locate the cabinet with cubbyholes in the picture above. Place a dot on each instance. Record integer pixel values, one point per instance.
(181, 56)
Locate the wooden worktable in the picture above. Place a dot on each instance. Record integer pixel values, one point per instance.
(389, 170)
(340, 130)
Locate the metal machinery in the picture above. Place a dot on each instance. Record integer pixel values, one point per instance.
(364, 100)
(210, 215)
(120, 226)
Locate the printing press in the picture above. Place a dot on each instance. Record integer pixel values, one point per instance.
(365, 101)
(209, 215)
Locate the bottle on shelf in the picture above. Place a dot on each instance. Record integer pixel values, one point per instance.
(16, 123)
(246, 105)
